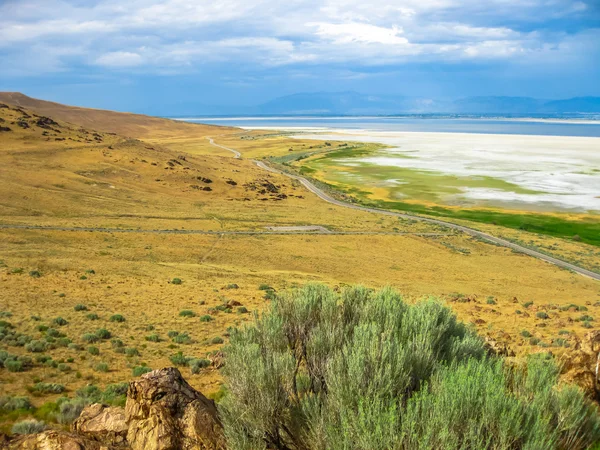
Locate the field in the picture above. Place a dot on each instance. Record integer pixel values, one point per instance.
(159, 293)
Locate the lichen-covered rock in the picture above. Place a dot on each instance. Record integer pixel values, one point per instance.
(55, 440)
(103, 423)
(164, 412)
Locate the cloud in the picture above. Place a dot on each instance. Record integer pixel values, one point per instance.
(120, 59)
(187, 35)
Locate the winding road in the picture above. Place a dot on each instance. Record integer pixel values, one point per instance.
(470, 231)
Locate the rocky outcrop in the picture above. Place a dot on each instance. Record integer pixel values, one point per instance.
(56, 440)
(582, 365)
(162, 412)
(102, 423)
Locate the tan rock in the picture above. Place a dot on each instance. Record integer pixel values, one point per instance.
(55, 440)
(165, 413)
(103, 423)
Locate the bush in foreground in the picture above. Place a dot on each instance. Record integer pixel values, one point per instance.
(29, 426)
(365, 370)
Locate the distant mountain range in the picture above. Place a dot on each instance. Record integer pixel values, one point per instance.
(353, 103)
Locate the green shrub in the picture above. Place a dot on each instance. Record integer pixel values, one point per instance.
(64, 367)
(52, 332)
(364, 370)
(206, 318)
(562, 332)
(198, 364)
(36, 318)
(132, 351)
(63, 342)
(70, 409)
(172, 334)
(179, 359)
(242, 310)
(587, 325)
(265, 287)
(90, 338)
(42, 328)
(92, 316)
(232, 286)
(153, 338)
(526, 334)
(140, 370)
(101, 367)
(83, 277)
(527, 304)
(585, 318)
(47, 388)
(270, 294)
(187, 313)
(176, 281)
(60, 321)
(90, 271)
(35, 274)
(14, 365)
(117, 318)
(36, 346)
(490, 301)
(103, 333)
(541, 315)
(93, 350)
(80, 307)
(9, 404)
(216, 340)
(28, 426)
(182, 338)
(117, 343)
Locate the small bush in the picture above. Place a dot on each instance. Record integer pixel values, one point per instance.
(176, 281)
(63, 342)
(60, 321)
(90, 338)
(242, 310)
(35, 274)
(116, 343)
(265, 287)
(117, 318)
(83, 277)
(206, 318)
(587, 325)
(64, 367)
(14, 365)
(47, 388)
(527, 304)
(140, 370)
(526, 334)
(270, 295)
(29, 426)
(541, 315)
(52, 332)
(182, 338)
(9, 404)
(93, 350)
(92, 316)
(217, 340)
(585, 318)
(36, 346)
(198, 364)
(490, 301)
(101, 367)
(187, 313)
(232, 286)
(80, 307)
(179, 359)
(103, 333)
(70, 409)
(172, 334)
(75, 347)
(562, 332)
(132, 351)
(153, 338)
(534, 341)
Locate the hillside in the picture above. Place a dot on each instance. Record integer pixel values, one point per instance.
(159, 244)
(126, 124)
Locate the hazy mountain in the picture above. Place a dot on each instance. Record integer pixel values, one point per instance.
(352, 103)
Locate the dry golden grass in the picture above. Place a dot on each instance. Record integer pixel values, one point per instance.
(144, 184)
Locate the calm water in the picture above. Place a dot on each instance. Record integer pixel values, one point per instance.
(424, 124)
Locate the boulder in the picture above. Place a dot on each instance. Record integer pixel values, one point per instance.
(164, 412)
(102, 423)
(55, 440)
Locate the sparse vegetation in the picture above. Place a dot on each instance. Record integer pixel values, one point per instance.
(140, 370)
(28, 426)
(80, 307)
(187, 313)
(117, 318)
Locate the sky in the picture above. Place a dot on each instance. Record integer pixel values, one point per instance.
(153, 55)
